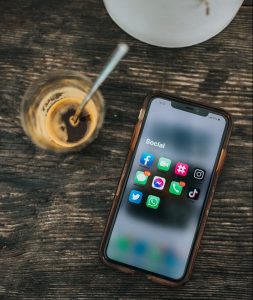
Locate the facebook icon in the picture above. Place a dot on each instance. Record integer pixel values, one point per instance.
(147, 159)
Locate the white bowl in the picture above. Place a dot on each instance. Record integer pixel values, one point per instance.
(172, 23)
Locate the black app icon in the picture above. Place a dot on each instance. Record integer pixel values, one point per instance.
(199, 174)
(193, 193)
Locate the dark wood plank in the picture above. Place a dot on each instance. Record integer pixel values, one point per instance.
(53, 208)
(247, 2)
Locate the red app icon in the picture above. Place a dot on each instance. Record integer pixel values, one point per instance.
(181, 169)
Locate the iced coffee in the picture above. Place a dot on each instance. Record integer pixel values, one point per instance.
(50, 103)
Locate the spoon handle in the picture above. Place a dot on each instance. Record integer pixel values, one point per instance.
(115, 58)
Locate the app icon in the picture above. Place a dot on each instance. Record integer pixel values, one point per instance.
(140, 247)
(123, 243)
(193, 193)
(155, 253)
(158, 183)
(135, 197)
(147, 159)
(176, 187)
(153, 202)
(181, 169)
(170, 258)
(140, 178)
(163, 164)
(199, 174)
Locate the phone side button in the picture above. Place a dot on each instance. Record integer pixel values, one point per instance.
(141, 114)
(221, 161)
(126, 270)
(135, 135)
(161, 281)
(122, 177)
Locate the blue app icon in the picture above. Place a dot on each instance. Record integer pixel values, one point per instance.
(147, 159)
(135, 197)
(170, 258)
(140, 247)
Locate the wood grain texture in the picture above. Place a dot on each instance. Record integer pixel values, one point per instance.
(53, 208)
(247, 2)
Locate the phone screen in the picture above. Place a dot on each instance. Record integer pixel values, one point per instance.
(165, 191)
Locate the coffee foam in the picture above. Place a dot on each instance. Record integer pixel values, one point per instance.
(59, 129)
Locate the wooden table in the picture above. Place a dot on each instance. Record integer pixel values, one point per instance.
(53, 208)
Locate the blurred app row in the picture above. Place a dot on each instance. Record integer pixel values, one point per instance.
(164, 164)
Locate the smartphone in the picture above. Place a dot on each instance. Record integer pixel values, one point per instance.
(166, 188)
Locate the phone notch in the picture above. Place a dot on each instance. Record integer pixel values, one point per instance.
(190, 108)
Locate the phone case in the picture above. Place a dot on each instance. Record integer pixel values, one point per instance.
(218, 167)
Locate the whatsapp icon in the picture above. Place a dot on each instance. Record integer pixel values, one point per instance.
(153, 202)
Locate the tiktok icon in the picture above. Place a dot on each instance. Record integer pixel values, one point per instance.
(193, 193)
(147, 159)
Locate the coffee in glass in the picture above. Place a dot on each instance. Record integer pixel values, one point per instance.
(48, 106)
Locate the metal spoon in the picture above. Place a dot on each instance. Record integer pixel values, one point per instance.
(115, 58)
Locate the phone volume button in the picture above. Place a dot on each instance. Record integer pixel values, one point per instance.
(135, 135)
(141, 114)
(221, 161)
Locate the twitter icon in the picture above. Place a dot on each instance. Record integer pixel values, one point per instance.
(135, 197)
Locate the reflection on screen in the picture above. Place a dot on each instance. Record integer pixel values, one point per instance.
(165, 191)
